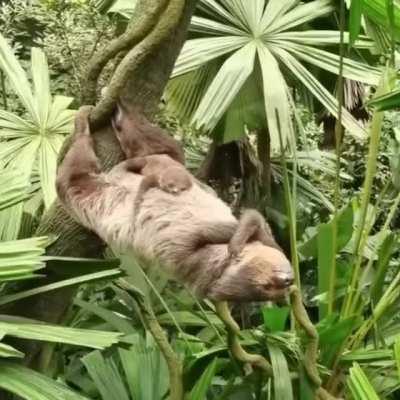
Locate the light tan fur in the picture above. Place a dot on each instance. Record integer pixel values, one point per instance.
(190, 233)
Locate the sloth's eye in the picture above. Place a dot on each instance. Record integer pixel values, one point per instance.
(267, 286)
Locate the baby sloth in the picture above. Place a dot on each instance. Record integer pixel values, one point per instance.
(159, 171)
(191, 232)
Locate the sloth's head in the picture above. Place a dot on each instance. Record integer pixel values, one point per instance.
(175, 179)
(257, 273)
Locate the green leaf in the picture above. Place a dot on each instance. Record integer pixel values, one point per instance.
(323, 38)
(282, 382)
(17, 78)
(376, 10)
(298, 15)
(326, 255)
(199, 391)
(13, 188)
(119, 323)
(225, 86)
(396, 351)
(7, 351)
(246, 110)
(205, 25)
(197, 52)
(331, 62)
(356, 10)
(185, 318)
(145, 368)
(47, 171)
(274, 10)
(307, 390)
(386, 102)
(184, 93)
(35, 139)
(31, 385)
(319, 91)
(332, 335)
(105, 374)
(57, 334)
(275, 318)
(112, 273)
(385, 254)
(359, 384)
(276, 100)
(41, 85)
(20, 258)
(125, 8)
(345, 221)
(234, 25)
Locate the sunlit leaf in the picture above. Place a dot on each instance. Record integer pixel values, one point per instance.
(282, 382)
(226, 84)
(7, 351)
(359, 384)
(199, 391)
(58, 334)
(356, 10)
(31, 385)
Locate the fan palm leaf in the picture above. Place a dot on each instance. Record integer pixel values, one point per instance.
(263, 41)
(35, 138)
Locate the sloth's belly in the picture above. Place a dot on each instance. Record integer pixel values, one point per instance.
(166, 224)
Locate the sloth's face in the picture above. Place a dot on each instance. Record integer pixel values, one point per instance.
(259, 273)
(175, 180)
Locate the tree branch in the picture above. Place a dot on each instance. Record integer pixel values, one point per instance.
(311, 353)
(149, 12)
(235, 347)
(134, 59)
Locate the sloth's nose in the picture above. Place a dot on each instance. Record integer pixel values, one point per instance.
(283, 279)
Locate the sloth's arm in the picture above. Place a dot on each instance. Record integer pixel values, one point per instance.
(135, 164)
(78, 174)
(251, 227)
(147, 183)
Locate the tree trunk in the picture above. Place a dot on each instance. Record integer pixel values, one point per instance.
(142, 92)
(264, 156)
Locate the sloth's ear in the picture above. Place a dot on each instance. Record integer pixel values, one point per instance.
(252, 227)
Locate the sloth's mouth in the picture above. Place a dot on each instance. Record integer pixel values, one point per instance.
(277, 293)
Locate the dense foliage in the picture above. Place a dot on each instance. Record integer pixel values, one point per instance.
(269, 77)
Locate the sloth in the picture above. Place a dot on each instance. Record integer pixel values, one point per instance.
(192, 234)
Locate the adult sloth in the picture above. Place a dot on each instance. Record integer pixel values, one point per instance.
(190, 231)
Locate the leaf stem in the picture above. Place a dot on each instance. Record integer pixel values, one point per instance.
(338, 141)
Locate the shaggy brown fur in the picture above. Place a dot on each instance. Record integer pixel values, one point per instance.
(159, 171)
(138, 137)
(194, 234)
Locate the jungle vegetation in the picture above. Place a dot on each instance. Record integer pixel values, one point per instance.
(287, 106)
